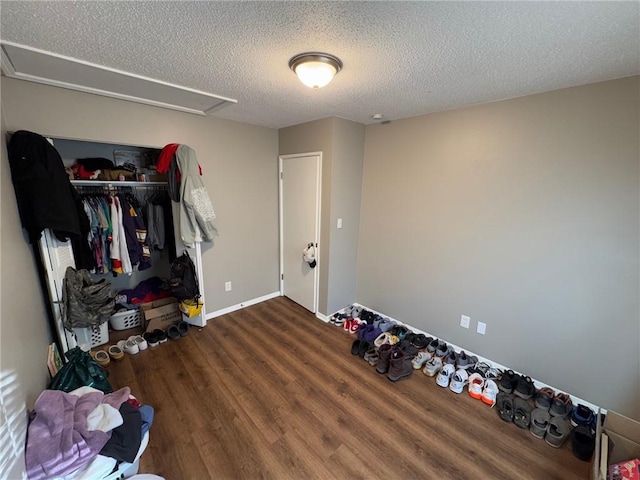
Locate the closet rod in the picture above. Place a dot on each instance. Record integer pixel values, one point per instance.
(106, 183)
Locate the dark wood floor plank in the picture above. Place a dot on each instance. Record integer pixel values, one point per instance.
(271, 392)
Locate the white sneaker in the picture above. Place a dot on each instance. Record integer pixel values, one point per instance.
(141, 342)
(419, 360)
(131, 347)
(445, 374)
(458, 381)
(476, 383)
(433, 366)
(490, 392)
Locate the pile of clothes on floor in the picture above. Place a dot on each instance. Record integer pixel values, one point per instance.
(85, 434)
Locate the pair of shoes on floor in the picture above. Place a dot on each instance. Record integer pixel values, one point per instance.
(514, 409)
(337, 319)
(432, 366)
(352, 325)
(553, 429)
(394, 362)
(360, 347)
(369, 332)
(483, 389)
(133, 344)
(101, 357)
(520, 385)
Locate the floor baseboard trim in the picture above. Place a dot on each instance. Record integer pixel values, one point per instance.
(238, 306)
(538, 384)
(322, 317)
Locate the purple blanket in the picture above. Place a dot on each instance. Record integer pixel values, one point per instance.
(58, 442)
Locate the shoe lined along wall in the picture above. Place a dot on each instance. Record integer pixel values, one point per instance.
(399, 351)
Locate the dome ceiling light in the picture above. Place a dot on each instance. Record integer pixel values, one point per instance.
(315, 69)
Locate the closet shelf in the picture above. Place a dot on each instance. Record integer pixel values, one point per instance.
(113, 183)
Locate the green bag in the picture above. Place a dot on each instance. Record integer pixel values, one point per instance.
(81, 370)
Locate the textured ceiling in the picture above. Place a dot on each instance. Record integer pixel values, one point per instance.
(401, 59)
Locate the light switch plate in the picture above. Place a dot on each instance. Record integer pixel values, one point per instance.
(464, 321)
(482, 328)
(339, 223)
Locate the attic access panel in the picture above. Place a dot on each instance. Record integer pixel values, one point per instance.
(32, 64)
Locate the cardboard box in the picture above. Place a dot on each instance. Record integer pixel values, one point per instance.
(160, 314)
(617, 440)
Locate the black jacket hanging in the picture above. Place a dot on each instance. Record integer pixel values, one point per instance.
(46, 198)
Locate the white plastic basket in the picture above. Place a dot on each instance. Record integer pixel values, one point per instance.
(125, 319)
(92, 336)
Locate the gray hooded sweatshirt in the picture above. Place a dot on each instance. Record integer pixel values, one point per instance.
(196, 211)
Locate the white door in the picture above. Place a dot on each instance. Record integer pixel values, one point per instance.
(299, 226)
(57, 256)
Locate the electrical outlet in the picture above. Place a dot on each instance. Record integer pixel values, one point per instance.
(464, 321)
(482, 328)
(227, 286)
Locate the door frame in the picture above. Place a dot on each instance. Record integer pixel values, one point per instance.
(316, 274)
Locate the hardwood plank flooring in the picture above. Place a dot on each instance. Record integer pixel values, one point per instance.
(272, 392)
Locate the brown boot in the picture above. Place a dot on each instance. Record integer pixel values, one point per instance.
(383, 359)
(400, 366)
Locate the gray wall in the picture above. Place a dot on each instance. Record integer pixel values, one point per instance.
(239, 163)
(342, 145)
(24, 333)
(523, 214)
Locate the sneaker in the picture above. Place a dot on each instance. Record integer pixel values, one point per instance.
(433, 366)
(544, 398)
(382, 339)
(419, 360)
(539, 423)
(582, 416)
(338, 319)
(557, 432)
(183, 327)
(142, 343)
(481, 368)
(131, 347)
(458, 381)
(561, 406)
(444, 375)
(450, 358)
(505, 406)
(443, 349)
(476, 384)
(151, 338)
(522, 413)
(465, 361)
(346, 325)
(490, 392)
(421, 341)
(371, 357)
(433, 346)
(583, 442)
(162, 336)
(508, 381)
(524, 387)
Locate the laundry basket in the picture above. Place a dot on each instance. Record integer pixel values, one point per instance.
(92, 336)
(126, 319)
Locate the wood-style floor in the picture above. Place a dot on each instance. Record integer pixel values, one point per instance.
(272, 392)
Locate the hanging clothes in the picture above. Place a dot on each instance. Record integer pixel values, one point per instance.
(196, 210)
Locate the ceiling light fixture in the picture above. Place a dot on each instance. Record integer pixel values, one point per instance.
(315, 69)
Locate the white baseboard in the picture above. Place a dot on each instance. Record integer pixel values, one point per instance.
(322, 317)
(238, 306)
(538, 384)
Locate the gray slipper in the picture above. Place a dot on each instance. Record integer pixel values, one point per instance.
(539, 422)
(557, 432)
(521, 413)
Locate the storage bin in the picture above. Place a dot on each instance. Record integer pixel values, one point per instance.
(126, 319)
(92, 336)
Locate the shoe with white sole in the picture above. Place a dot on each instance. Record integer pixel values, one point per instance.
(419, 360)
(131, 347)
(458, 381)
(140, 341)
(432, 366)
(490, 392)
(476, 384)
(444, 375)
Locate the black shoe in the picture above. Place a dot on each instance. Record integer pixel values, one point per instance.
(504, 403)
(524, 388)
(583, 442)
(508, 381)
